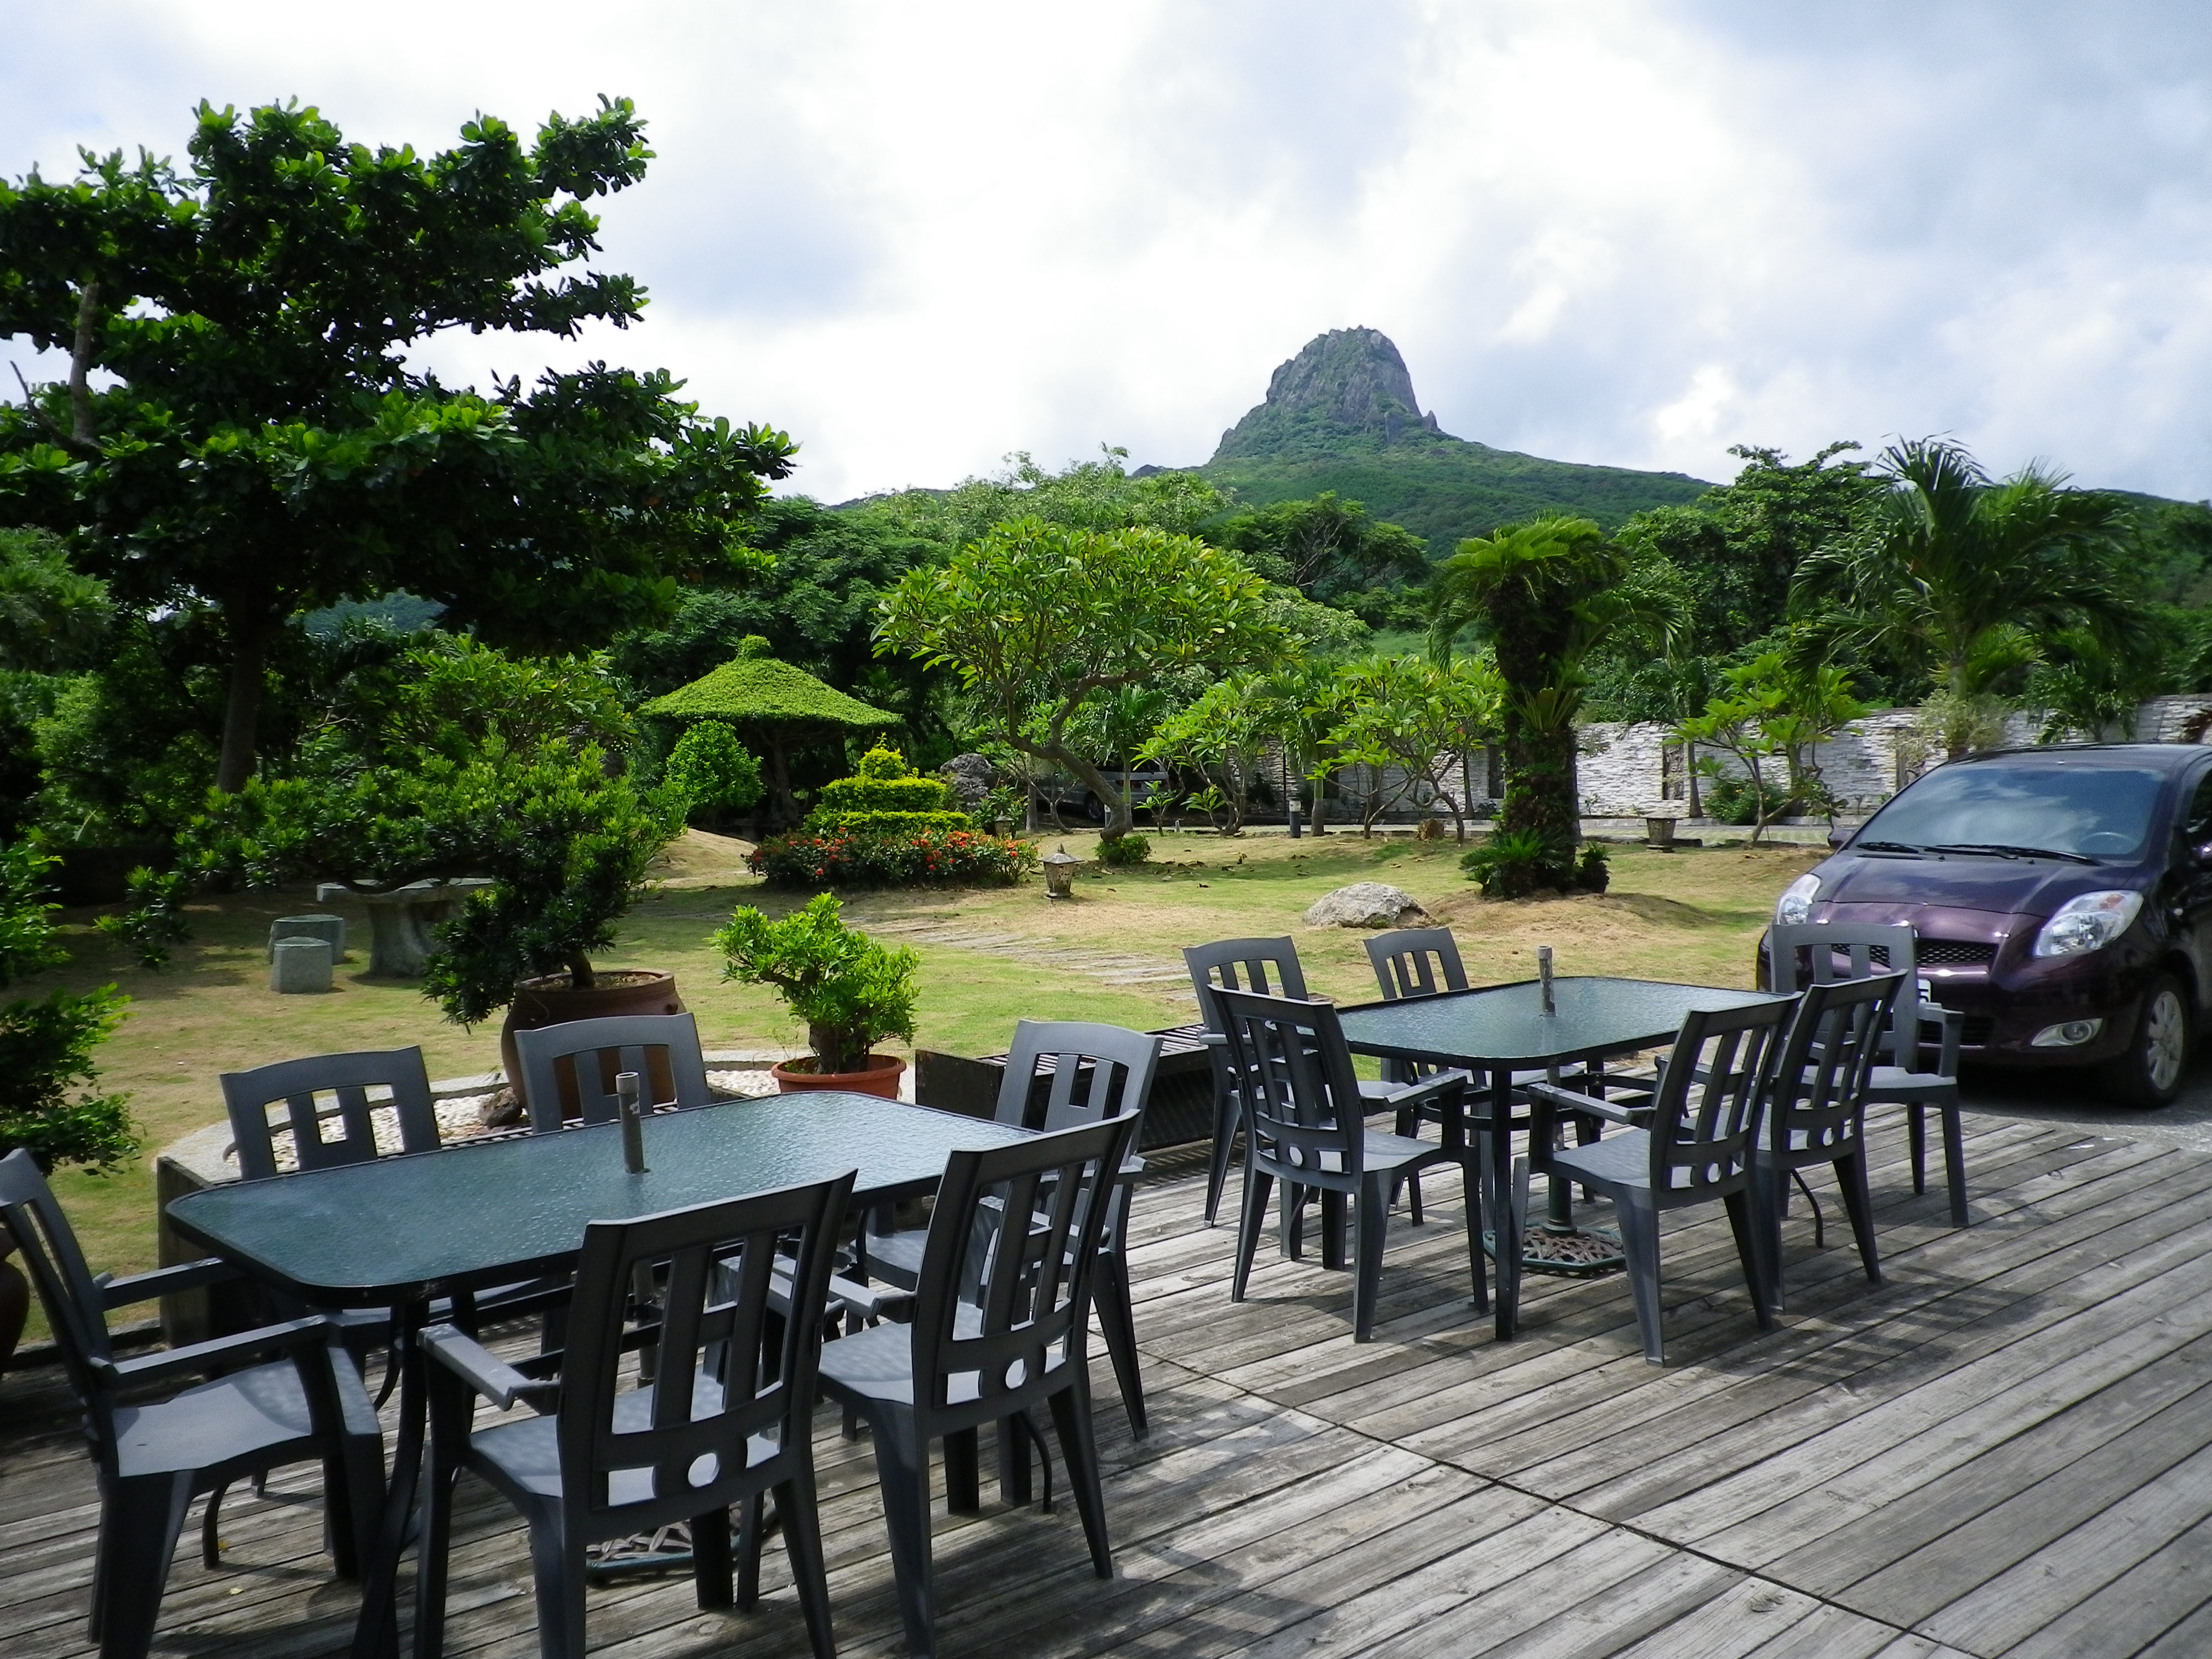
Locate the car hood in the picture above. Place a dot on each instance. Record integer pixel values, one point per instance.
(1960, 882)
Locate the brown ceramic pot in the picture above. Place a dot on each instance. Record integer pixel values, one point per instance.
(879, 1077)
(552, 1001)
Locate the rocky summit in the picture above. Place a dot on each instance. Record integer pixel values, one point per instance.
(1346, 385)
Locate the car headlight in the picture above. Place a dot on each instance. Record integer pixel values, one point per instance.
(2087, 921)
(1796, 905)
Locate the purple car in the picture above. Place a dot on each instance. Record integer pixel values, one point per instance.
(2063, 898)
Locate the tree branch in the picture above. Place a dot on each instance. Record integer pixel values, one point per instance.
(87, 311)
(61, 434)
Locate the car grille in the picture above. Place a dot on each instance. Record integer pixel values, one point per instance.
(1978, 1031)
(1953, 953)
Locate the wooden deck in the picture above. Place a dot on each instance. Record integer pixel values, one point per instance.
(2005, 1448)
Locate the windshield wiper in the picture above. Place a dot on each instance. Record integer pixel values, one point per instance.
(2003, 851)
(1888, 846)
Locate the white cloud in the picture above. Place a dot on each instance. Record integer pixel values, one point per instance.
(1619, 231)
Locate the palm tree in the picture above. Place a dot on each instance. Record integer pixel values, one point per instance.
(1546, 594)
(1961, 575)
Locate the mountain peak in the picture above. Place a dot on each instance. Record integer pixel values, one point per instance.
(1348, 385)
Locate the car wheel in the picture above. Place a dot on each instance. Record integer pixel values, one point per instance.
(2150, 1072)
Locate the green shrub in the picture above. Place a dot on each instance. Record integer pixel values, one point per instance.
(932, 857)
(1730, 800)
(713, 770)
(851, 991)
(1518, 863)
(820, 822)
(1116, 851)
(884, 795)
(46, 1044)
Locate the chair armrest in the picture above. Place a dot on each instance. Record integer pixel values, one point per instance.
(1213, 1039)
(1410, 1094)
(144, 1287)
(1951, 1022)
(264, 1342)
(484, 1370)
(1557, 1097)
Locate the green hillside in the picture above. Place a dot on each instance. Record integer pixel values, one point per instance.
(1341, 415)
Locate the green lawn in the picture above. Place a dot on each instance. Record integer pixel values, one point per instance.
(1689, 916)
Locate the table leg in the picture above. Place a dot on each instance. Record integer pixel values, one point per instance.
(376, 1632)
(1497, 1202)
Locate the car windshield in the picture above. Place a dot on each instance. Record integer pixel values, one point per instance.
(2097, 812)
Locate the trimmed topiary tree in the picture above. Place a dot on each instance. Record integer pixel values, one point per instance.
(885, 796)
(715, 773)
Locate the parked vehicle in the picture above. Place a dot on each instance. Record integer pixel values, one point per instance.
(1075, 798)
(2063, 900)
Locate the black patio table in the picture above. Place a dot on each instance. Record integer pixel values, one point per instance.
(1499, 1029)
(397, 1231)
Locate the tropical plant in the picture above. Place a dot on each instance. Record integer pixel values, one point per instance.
(1038, 619)
(1775, 708)
(1953, 571)
(1420, 718)
(1545, 594)
(46, 1044)
(246, 425)
(850, 991)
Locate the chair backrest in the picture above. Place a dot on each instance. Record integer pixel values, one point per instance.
(325, 1135)
(1705, 1112)
(1816, 1090)
(1084, 1071)
(1818, 953)
(1007, 1312)
(1416, 961)
(67, 1291)
(1302, 1103)
(1269, 966)
(579, 1060)
(727, 1369)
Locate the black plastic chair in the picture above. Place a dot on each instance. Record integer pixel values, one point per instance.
(1084, 1072)
(1816, 952)
(1269, 966)
(1695, 1146)
(1305, 1117)
(1816, 1110)
(728, 1417)
(579, 1060)
(299, 1087)
(287, 1394)
(1023, 1225)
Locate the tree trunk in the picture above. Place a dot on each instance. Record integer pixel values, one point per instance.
(241, 713)
(1690, 778)
(1121, 820)
(1539, 789)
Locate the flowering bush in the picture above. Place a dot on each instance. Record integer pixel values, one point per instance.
(926, 857)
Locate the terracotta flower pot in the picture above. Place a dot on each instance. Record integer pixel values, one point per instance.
(552, 1001)
(879, 1077)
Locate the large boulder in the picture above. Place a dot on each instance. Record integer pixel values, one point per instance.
(971, 776)
(1366, 905)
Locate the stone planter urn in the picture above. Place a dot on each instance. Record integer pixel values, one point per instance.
(552, 1001)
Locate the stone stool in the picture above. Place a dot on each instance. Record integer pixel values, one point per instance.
(332, 928)
(299, 966)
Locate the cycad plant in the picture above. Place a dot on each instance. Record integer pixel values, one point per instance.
(1545, 594)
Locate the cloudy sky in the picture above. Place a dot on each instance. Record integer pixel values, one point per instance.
(1624, 231)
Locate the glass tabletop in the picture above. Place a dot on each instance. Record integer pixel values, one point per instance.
(366, 1234)
(1505, 1025)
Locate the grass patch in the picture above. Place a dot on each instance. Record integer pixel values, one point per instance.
(1693, 914)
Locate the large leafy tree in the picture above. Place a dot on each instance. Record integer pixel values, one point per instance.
(1332, 550)
(242, 428)
(1955, 574)
(1546, 594)
(1038, 620)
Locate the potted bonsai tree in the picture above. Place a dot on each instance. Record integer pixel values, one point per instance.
(469, 763)
(46, 1069)
(850, 991)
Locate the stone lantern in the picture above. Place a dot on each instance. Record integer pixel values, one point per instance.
(1060, 868)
